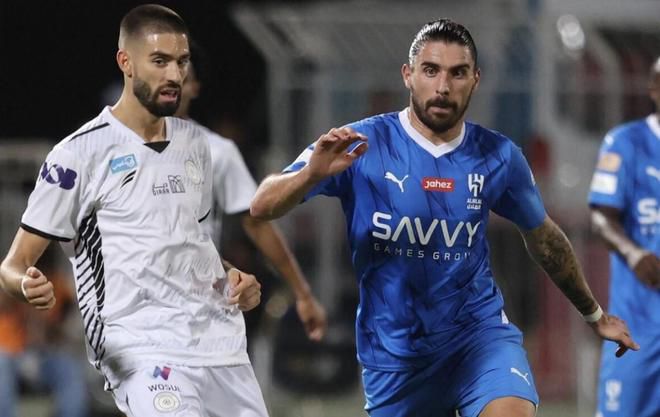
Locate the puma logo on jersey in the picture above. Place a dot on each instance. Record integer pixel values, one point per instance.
(520, 374)
(399, 182)
(652, 171)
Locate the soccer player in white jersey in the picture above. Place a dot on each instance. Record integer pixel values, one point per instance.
(233, 189)
(625, 213)
(125, 194)
(417, 187)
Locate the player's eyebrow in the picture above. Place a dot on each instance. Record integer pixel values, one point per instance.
(435, 66)
(160, 54)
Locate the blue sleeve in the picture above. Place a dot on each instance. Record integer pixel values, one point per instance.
(333, 186)
(608, 185)
(521, 201)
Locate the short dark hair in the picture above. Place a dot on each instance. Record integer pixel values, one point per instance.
(445, 30)
(151, 18)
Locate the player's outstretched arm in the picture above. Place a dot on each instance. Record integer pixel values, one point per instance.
(22, 280)
(550, 248)
(269, 240)
(279, 193)
(645, 264)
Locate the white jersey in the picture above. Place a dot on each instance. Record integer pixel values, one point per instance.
(233, 185)
(128, 216)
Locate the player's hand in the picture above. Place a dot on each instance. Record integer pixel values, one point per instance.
(313, 317)
(646, 266)
(37, 290)
(613, 328)
(244, 290)
(330, 154)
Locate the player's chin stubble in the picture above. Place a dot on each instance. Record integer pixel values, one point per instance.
(150, 102)
(434, 123)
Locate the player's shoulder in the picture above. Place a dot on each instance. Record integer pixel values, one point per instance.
(186, 129)
(86, 137)
(376, 122)
(626, 134)
(489, 141)
(197, 131)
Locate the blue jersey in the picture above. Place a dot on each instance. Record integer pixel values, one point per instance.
(628, 178)
(417, 215)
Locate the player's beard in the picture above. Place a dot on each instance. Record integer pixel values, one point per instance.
(433, 122)
(149, 99)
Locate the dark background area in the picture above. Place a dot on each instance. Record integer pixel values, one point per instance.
(59, 56)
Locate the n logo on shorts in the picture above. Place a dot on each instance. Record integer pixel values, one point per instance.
(163, 373)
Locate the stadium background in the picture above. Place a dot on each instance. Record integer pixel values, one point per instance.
(557, 74)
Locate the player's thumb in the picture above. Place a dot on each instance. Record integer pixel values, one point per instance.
(233, 277)
(33, 272)
(30, 274)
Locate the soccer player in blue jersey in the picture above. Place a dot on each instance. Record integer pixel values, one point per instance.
(416, 187)
(625, 213)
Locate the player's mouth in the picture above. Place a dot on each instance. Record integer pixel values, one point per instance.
(442, 109)
(169, 94)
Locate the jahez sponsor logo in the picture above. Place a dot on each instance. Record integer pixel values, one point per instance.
(55, 174)
(443, 185)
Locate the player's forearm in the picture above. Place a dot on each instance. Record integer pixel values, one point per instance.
(11, 275)
(280, 193)
(269, 240)
(24, 252)
(607, 226)
(551, 249)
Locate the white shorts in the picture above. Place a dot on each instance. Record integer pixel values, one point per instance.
(161, 390)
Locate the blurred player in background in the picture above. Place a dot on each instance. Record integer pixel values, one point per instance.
(625, 213)
(233, 189)
(126, 194)
(416, 187)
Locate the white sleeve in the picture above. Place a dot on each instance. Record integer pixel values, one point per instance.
(233, 184)
(54, 209)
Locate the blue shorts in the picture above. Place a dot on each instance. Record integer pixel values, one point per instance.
(489, 363)
(630, 385)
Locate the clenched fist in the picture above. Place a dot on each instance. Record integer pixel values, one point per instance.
(244, 289)
(37, 290)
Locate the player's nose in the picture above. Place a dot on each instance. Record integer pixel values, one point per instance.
(175, 73)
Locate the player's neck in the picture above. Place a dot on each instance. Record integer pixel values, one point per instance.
(433, 137)
(133, 115)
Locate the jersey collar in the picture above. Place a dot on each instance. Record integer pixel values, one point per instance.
(435, 150)
(116, 123)
(654, 125)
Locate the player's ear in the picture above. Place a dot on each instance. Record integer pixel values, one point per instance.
(124, 62)
(405, 74)
(477, 77)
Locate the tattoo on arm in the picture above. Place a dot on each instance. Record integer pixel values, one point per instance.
(551, 249)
